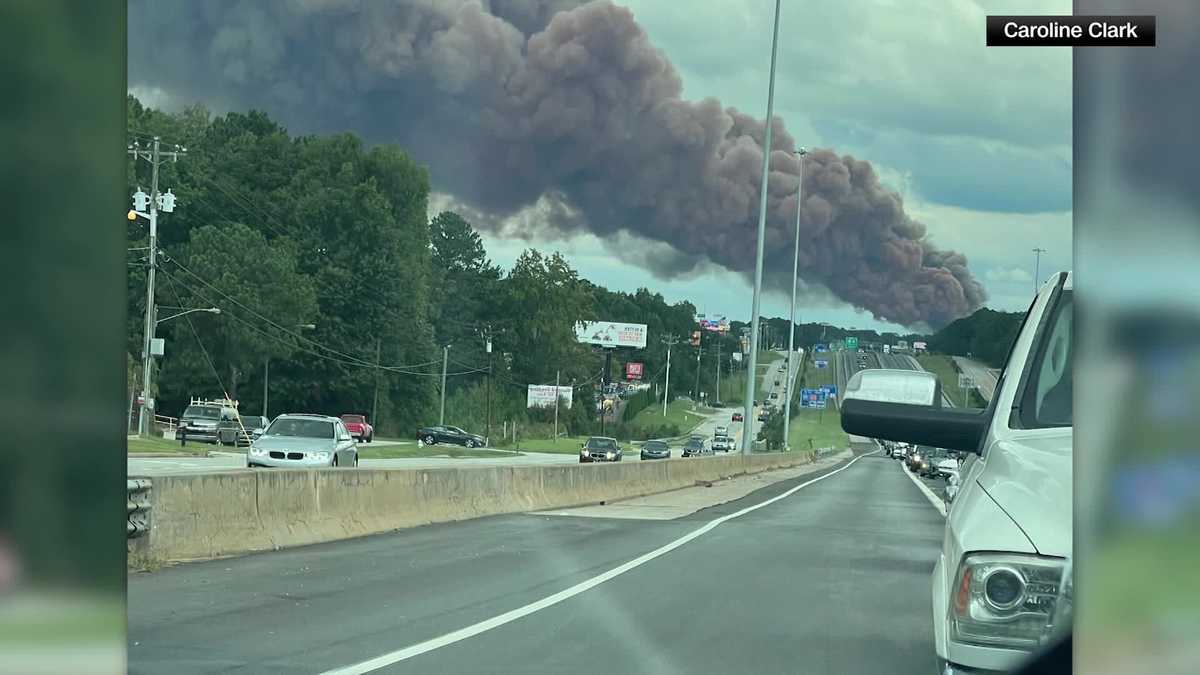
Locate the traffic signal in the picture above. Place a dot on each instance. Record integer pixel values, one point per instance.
(695, 338)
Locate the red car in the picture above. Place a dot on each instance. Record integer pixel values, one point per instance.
(737, 417)
(358, 427)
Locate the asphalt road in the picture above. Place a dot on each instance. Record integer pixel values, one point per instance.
(832, 577)
(985, 378)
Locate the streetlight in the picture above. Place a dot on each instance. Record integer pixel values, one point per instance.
(267, 367)
(1037, 265)
(210, 310)
(762, 227)
(787, 405)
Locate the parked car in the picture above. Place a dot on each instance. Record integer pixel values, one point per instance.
(695, 447)
(600, 449)
(721, 431)
(450, 435)
(722, 443)
(211, 421)
(737, 417)
(359, 428)
(655, 450)
(1004, 563)
(303, 441)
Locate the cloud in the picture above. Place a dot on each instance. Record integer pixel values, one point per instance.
(1011, 274)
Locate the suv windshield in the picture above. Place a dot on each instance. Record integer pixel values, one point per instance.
(301, 428)
(352, 419)
(202, 412)
(1046, 401)
(253, 421)
(655, 445)
(601, 444)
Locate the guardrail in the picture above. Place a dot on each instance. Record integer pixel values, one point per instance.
(138, 507)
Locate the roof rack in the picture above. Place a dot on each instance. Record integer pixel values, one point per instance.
(224, 402)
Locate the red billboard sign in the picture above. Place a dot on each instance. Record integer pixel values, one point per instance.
(633, 371)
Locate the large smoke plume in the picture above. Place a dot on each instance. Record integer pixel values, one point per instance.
(511, 102)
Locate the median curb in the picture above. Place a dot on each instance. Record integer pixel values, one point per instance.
(204, 516)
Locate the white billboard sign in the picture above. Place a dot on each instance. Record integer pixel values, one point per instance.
(919, 345)
(609, 334)
(542, 396)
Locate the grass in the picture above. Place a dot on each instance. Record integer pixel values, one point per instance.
(679, 413)
(41, 619)
(165, 446)
(942, 366)
(822, 427)
(412, 451)
(566, 445)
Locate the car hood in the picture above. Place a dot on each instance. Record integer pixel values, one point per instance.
(296, 443)
(1030, 478)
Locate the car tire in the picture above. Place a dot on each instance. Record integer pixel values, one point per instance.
(335, 463)
(370, 438)
(430, 440)
(356, 460)
(469, 444)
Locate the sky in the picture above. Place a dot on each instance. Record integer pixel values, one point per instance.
(976, 140)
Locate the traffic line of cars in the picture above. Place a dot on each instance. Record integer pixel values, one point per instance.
(929, 462)
(605, 449)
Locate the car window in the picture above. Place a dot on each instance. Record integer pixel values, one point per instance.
(352, 419)
(252, 421)
(300, 428)
(202, 412)
(602, 444)
(455, 430)
(1047, 398)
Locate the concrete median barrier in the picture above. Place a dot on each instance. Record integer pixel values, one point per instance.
(218, 514)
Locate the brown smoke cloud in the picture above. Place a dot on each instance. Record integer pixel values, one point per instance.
(511, 100)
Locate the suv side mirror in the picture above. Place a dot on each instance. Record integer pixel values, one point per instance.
(905, 405)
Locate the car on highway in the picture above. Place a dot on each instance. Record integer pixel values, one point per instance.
(915, 461)
(359, 427)
(600, 449)
(696, 446)
(1004, 567)
(449, 435)
(254, 425)
(722, 443)
(211, 421)
(655, 450)
(774, 395)
(303, 441)
(737, 417)
(721, 430)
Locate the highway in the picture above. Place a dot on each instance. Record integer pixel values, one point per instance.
(222, 460)
(985, 378)
(802, 576)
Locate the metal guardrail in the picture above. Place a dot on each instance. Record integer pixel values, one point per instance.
(138, 505)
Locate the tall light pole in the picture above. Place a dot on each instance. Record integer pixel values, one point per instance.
(1037, 267)
(445, 360)
(752, 367)
(787, 405)
(667, 340)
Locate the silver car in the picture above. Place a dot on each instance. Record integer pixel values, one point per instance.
(303, 442)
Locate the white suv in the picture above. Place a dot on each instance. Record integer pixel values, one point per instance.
(998, 591)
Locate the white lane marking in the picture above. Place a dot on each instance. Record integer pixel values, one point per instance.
(933, 499)
(551, 600)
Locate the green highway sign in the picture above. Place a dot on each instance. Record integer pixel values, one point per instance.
(851, 343)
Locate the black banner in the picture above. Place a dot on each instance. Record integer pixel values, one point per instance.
(1070, 31)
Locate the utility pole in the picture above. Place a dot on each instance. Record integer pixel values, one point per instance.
(375, 402)
(718, 370)
(699, 351)
(1037, 267)
(155, 201)
(266, 374)
(667, 340)
(445, 360)
(488, 339)
(557, 375)
(751, 368)
(787, 389)
(603, 386)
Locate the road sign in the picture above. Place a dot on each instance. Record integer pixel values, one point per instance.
(829, 389)
(965, 381)
(851, 343)
(633, 371)
(812, 398)
(820, 348)
(820, 363)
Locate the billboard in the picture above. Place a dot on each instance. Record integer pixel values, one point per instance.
(737, 356)
(919, 345)
(716, 323)
(542, 396)
(829, 389)
(633, 371)
(609, 334)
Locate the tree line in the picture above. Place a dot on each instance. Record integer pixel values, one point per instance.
(339, 293)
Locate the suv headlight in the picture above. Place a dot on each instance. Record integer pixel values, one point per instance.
(611, 454)
(1004, 600)
(257, 451)
(584, 452)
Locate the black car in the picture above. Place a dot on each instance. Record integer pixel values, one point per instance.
(600, 449)
(656, 450)
(450, 435)
(695, 447)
